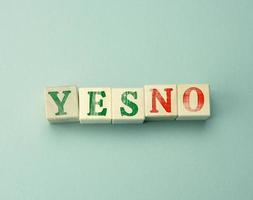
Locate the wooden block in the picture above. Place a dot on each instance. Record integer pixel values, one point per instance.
(193, 102)
(95, 105)
(127, 105)
(61, 104)
(160, 102)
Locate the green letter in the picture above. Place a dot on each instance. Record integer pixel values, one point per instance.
(59, 103)
(93, 103)
(129, 103)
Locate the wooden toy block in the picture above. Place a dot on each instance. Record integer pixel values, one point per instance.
(127, 105)
(61, 104)
(95, 105)
(160, 102)
(193, 102)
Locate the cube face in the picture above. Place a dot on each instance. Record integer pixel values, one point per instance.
(95, 105)
(127, 106)
(61, 104)
(160, 102)
(193, 102)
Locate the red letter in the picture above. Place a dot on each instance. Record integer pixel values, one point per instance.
(166, 105)
(186, 99)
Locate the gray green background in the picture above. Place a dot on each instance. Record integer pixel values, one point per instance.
(126, 44)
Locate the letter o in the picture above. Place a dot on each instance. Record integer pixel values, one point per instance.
(186, 99)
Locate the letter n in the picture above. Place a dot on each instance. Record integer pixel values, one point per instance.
(157, 96)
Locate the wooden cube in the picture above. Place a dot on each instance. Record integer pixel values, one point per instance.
(61, 104)
(95, 105)
(160, 102)
(127, 105)
(193, 102)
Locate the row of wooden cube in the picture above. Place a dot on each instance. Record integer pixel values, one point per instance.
(127, 105)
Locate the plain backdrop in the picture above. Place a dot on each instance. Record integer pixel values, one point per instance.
(126, 44)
